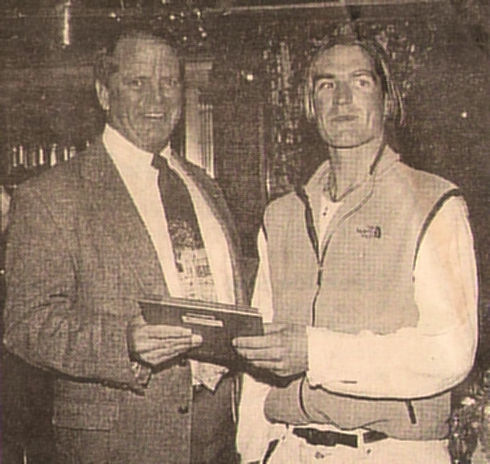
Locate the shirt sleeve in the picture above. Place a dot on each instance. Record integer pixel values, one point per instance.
(418, 361)
(254, 431)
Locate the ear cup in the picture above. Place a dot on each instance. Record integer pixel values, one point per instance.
(388, 108)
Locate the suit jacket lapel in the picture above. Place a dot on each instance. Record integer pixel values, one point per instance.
(111, 205)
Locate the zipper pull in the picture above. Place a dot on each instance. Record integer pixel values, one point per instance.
(319, 277)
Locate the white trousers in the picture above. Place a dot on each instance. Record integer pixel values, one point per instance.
(295, 450)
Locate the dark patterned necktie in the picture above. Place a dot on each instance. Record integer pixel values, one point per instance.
(187, 243)
(189, 253)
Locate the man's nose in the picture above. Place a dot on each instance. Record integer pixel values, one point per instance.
(343, 93)
(157, 92)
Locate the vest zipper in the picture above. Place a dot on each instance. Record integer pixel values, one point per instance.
(318, 282)
(310, 227)
(312, 235)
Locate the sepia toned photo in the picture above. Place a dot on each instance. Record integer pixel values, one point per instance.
(244, 232)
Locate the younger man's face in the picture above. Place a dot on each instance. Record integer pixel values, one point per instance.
(347, 97)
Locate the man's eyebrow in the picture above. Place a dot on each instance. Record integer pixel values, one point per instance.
(365, 72)
(323, 76)
(357, 72)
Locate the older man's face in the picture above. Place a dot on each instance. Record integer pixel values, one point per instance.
(347, 96)
(144, 97)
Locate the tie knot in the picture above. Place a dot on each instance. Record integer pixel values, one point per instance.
(159, 162)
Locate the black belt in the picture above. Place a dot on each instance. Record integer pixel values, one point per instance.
(330, 438)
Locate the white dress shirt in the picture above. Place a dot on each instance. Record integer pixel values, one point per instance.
(141, 180)
(412, 362)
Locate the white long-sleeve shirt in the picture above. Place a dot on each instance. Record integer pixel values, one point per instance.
(409, 363)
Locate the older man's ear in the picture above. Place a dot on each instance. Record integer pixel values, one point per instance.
(102, 95)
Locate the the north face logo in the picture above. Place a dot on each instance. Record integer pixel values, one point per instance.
(369, 231)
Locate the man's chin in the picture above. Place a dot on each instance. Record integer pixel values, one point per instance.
(154, 143)
(156, 146)
(347, 142)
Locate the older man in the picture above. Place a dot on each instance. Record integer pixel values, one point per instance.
(368, 276)
(92, 236)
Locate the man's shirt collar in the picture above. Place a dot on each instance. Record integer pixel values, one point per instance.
(122, 150)
(318, 182)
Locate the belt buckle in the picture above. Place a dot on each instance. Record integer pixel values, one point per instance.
(326, 438)
(372, 436)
